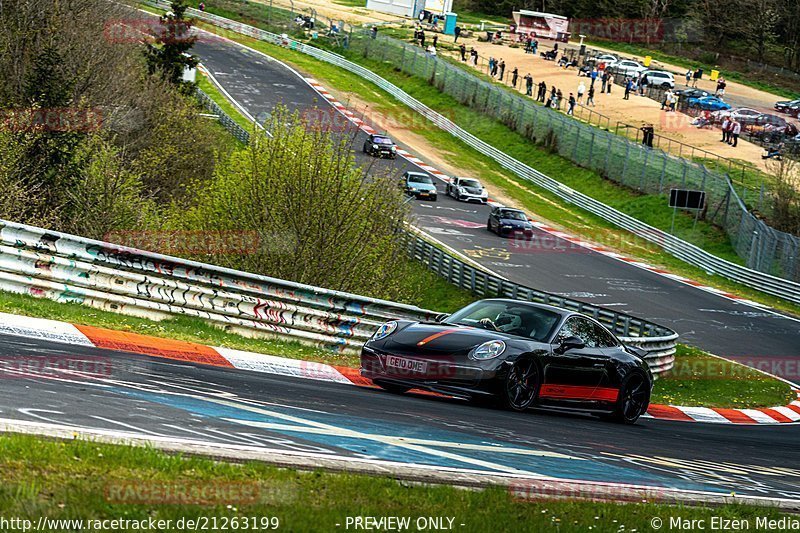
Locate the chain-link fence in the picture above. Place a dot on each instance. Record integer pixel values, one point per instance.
(617, 158)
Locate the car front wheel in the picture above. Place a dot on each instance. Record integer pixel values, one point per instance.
(521, 387)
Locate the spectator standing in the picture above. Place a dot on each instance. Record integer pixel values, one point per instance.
(736, 129)
(491, 66)
(590, 99)
(515, 77)
(571, 102)
(435, 40)
(202, 6)
(642, 84)
(422, 38)
(665, 102)
(542, 91)
(463, 50)
(721, 84)
(535, 46)
(594, 75)
(559, 98)
(688, 77)
(696, 76)
(604, 79)
(726, 124)
(610, 82)
(628, 87)
(501, 69)
(374, 32)
(456, 33)
(581, 91)
(473, 54)
(648, 133)
(528, 84)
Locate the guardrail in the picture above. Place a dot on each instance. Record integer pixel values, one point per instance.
(685, 251)
(117, 278)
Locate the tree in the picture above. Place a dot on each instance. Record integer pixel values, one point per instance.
(302, 210)
(169, 55)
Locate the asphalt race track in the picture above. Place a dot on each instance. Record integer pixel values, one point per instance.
(160, 398)
(719, 325)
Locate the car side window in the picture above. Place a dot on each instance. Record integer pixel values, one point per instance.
(604, 338)
(590, 333)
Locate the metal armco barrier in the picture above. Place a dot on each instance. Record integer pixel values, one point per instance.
(116, 278)
(685, 251)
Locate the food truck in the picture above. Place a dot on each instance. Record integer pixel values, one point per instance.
(541, 25)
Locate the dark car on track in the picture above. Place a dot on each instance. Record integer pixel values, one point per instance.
(380, 146)
(518, 354)
(692, 93)
(508, 222)
(791, 107)
(419, 185)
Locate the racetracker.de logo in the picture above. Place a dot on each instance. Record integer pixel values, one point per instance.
(332, 120)
(182, 493)
(189, 242)
(54, 119)
(540, 489)
(55, 366)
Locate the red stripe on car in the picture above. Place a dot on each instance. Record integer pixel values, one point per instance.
(578, 392)
(435, 336)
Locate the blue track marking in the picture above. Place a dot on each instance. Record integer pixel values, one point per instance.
(412, 444)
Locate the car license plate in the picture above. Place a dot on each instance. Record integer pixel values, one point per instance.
(423, 193)
(406, 365)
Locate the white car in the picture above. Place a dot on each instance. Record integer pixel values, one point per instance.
(659, 78)
(467, 190)
(744, 115)
(607, 59)
(626, 67)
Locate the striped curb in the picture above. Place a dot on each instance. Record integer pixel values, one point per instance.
(185, 351)
(539, 225)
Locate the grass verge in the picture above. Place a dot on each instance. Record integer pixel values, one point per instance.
(699, 379)
(649, 208)
(211, 90)
(91, 481)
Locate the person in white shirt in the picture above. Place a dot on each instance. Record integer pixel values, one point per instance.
(581, 90)
(736, 129)
(725, 130)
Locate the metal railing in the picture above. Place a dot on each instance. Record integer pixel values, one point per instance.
(116, 278)
(753, 239)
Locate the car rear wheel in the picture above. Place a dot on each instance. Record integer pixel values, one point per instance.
(394, 388)
(521, 387)
(633, 400)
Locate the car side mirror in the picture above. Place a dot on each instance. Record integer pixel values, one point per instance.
(571, 343)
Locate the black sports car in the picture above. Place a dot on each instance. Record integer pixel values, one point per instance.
(519, 354)
(508, 222)
(791, 107)
(380, 146)
(692, 93)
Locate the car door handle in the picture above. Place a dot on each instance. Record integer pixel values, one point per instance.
(599, 365)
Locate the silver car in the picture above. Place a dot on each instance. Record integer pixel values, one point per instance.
(467, 190)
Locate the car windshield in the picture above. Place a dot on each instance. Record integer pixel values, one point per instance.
(513, 215)
(470, 183)
(420, 178)
(514, 318)
(382, 140)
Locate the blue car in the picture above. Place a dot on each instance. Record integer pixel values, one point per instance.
(709, 103)
(419, 185)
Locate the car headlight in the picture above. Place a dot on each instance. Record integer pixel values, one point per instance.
(384, 331)
(394, 148)
(374, 146)
(412, 189)
(488, 350)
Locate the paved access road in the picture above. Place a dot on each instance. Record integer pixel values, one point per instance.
(73, 386)
(708, 321)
